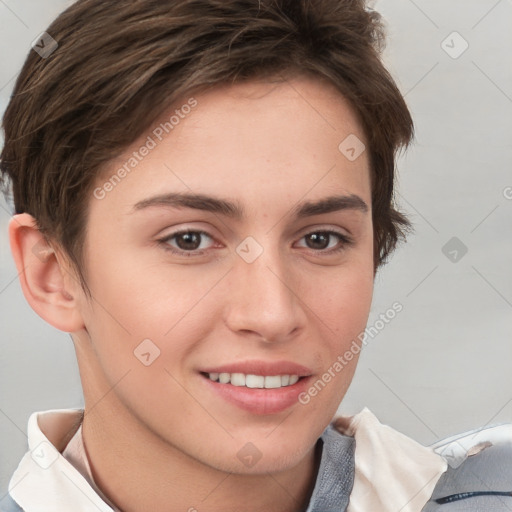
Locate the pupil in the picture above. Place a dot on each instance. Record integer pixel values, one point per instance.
(191, 241)
(322, 237)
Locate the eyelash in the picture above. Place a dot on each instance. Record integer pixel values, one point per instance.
(344, 239)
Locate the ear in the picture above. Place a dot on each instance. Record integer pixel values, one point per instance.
(47, 284)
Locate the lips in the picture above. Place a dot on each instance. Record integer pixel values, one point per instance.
(262, 368)
(258, 387)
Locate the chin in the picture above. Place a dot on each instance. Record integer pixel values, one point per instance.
(261, 455)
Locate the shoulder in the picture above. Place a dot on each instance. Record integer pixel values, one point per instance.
(467, 472)
(479, 473)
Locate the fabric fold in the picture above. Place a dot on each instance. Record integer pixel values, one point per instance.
(392, 471)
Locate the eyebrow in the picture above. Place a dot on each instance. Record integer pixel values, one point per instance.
(236, 211)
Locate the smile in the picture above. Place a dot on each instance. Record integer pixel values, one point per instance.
(254, 381)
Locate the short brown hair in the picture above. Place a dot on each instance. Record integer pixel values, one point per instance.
(120, 63)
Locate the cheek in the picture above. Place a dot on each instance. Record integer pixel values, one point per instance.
(345, 301)
(137, 297)
(343, 315)
(342, 343)
(342, 308)
(351, 303)
(135, 301)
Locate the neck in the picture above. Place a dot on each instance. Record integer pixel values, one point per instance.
(139, 471)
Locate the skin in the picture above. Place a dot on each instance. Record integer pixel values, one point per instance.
(157, 435)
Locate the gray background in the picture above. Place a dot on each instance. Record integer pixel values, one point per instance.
(443, 364)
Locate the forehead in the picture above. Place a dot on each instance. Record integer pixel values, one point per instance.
(264, 106)
(276, 140)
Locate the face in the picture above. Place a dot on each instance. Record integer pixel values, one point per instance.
(231, 269)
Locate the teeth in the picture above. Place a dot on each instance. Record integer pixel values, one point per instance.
(237, 379)
(293, 379)
(273, 382)
(224, 378)
(254, 381)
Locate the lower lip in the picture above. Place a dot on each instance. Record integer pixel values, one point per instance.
(259, 401)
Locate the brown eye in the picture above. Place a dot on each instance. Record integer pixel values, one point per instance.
(318, 240)
(187, 243)
(327, 241)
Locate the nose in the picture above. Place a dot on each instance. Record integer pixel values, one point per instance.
(264, 300)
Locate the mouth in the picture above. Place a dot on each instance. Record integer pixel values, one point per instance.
(258, 387)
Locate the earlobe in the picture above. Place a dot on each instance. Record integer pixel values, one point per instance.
(44, 280)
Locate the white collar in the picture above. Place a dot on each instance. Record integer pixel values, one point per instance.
(45, 481)
(392, 472)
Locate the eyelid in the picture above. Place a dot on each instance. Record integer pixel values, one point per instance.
(323, 228)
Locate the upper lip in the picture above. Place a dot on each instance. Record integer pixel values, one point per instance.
(264, 368)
